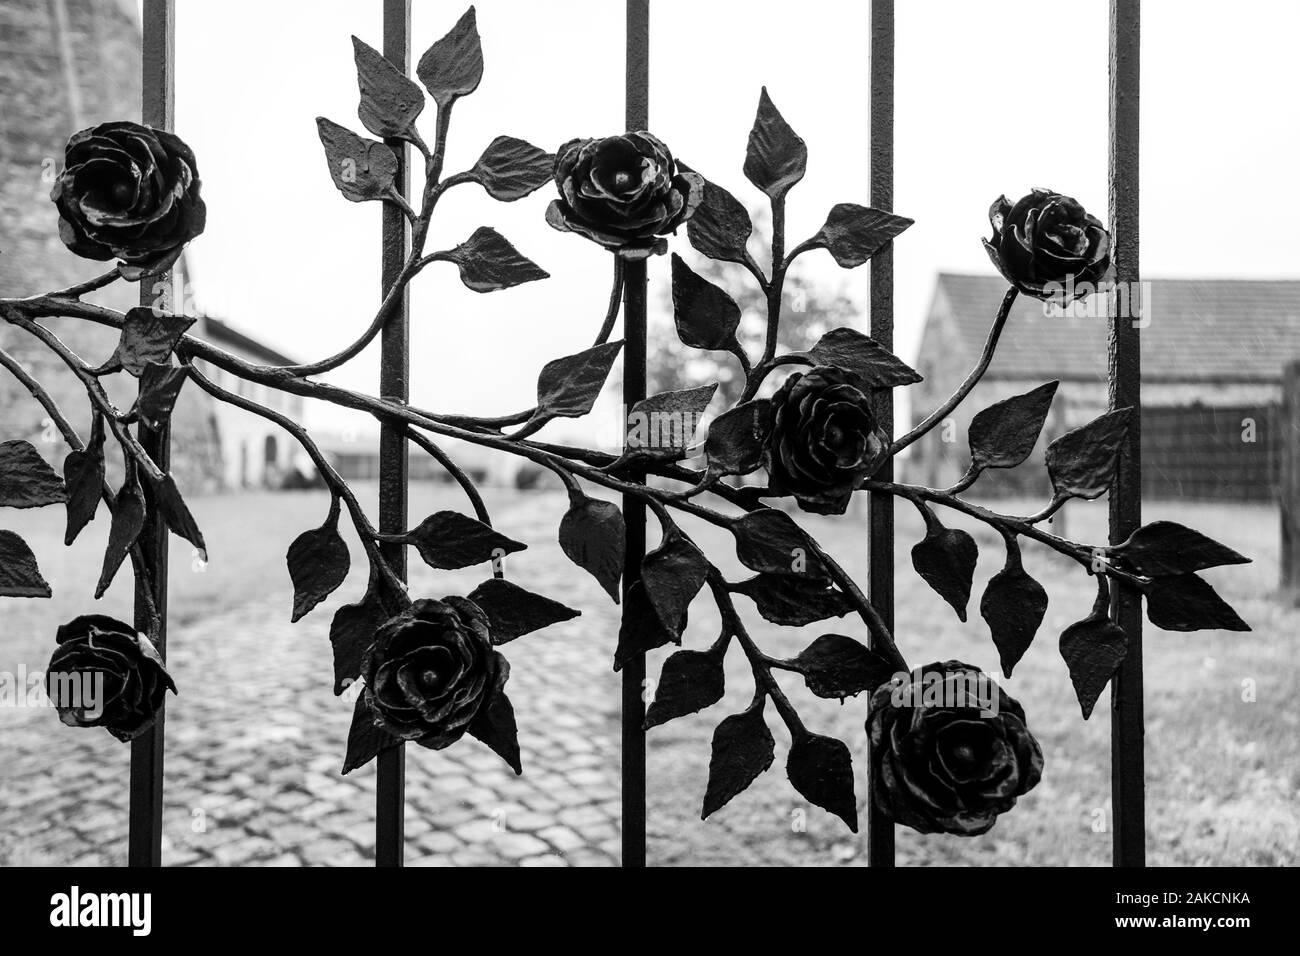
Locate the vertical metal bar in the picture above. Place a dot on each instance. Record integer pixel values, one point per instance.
(637, 116)
(157, 109)
(1128, 797)
(1288, 447)
(880, 508)
(394, 384)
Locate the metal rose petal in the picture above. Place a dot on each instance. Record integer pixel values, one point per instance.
(130, 192)
(427, 670)
(1046, 240)
(801, 458)
(945, 765)
(623, 192)
(133, 680)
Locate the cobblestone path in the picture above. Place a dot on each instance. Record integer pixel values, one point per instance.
(253, 769)
(255, 742)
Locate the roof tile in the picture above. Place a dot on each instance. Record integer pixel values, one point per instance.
(1220, 330)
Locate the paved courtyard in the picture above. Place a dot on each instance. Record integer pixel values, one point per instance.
(255, 740)
(252, 768)
(255, 743)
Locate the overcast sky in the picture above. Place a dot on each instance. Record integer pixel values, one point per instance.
(993, 97)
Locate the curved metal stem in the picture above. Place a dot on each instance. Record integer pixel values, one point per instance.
(339, 487)
(759, 662)
(977, 373)
(615, 300)
(74, 442)
(457, 473)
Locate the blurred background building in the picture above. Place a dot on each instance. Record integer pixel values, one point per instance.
(1213, 353)
(66, 65)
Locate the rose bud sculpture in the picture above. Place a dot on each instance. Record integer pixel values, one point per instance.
(131, 192)
(1047, 242)
(951, 765)
(118, 675)
(822, 439)
(432, 670)
(623, 192)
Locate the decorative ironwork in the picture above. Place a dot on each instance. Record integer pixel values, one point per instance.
(949, 750)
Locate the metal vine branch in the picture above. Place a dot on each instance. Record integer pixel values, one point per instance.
(951, 750)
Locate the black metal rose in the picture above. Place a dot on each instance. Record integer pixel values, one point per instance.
(1048, 246)
(431, 669)
(624, 192)
(822, 439)
(129, 191)
(106, 674)
(951, 750)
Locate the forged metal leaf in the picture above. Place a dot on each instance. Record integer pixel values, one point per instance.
(835, 666)
(1013, 606)
(390, 100)
(511, 168)
(640, 629)
(318, 563)
(689, 682)
(513, 611)
(568, 387)
(1186, 602)
(148, 337)
(594, 537)
(176, 514)
(1082, 462)
(734, 444)
(26, 479)
(160, 386)
(720, 227)
(863, 356)
(853, 234)
(705, 315)
(673, 573)
(1093, 649)
(128, 520)
(793, 601)
(663, 426)
(494, 724)
(776, 157)
(448, 540)
(83, 476)
(821, 769)
(488, 262)
(742, 749)
(453, 66)
(351, 632)
(770, 541)
(366, 740)
(1004, 434)
(361, 168)
(19, 575)
(1166, 547)
(945, 558)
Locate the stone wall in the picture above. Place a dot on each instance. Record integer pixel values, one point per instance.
(66, 65)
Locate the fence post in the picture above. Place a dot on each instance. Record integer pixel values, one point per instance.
(1128, 776)
(1289, 485)
(880, 507)
(394, 385)
(157, 109)
(637, 109)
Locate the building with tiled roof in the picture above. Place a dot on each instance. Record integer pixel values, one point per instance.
(1213, 352)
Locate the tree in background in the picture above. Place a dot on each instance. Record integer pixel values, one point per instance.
(810, 308)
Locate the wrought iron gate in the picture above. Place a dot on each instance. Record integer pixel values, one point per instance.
(147, 752)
